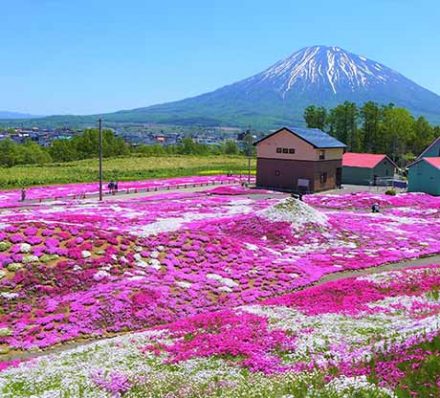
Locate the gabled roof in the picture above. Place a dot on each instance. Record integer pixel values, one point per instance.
(364, 160)
(432, 161)
(429, 147)
(315, 137)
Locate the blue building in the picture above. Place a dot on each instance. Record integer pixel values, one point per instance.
(433, 150)
(424, 176)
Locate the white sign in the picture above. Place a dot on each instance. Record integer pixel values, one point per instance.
(303, 182)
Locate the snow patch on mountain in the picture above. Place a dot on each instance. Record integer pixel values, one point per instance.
(325, 66)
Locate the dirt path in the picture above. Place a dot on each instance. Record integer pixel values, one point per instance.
(418, 262)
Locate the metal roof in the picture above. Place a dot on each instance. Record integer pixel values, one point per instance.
(432, 161)
(429, 147)
(364, 160)
(315, 137)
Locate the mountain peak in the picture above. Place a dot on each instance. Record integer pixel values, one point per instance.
(328, 68)
(317, 75)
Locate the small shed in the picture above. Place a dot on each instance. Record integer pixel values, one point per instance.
(366, 168)
(424, 176)
(299, 160)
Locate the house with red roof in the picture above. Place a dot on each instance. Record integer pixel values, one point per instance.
(424, 175)
(366, 168)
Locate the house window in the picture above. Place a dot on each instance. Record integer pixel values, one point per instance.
(323, 178)
(291, 150)
(279, 150)
(285, 150)
(277, 173)
(321, 155)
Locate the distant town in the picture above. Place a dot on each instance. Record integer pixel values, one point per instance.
(134, 135)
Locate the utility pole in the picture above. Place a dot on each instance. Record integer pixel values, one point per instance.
(100, 157)
(249, 140)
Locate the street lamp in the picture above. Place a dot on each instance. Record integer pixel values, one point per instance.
(100, 156)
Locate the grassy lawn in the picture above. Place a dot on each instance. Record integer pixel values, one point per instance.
(123, 168)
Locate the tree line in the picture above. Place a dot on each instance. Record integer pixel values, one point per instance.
(85, 146)
(374, 128)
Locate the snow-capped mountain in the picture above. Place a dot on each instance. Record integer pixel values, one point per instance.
(317, 75)
(329, 68)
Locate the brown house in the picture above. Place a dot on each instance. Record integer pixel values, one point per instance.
(299, 160)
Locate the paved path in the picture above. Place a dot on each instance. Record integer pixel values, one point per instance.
(418, 262)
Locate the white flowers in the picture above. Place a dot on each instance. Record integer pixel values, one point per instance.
(25, 248)
(9, 296)
(100, 275)
(345, 386)
(224, 281)
(29, 258)
(294, 211)
(5, 332)
(85, 254)
(184, 284)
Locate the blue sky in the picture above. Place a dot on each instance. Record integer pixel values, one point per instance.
(90, 56)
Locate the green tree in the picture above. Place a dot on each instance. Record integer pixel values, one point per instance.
(315, 117)
(32, 153)
(8, 153)
(63, 151)
(343, 122)
(423, 135)
(230, 147)
(397, 130)
(371, 119)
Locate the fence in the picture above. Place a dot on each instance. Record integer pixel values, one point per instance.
(134, 190)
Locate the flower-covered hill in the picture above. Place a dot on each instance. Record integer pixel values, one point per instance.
(368, 336)
(88, 269)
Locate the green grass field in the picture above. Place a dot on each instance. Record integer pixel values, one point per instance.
(122, 169)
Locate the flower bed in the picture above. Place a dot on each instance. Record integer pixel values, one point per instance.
(378, 335)
(84, 270)
(11, 198)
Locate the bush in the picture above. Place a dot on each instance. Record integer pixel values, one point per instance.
(391, 192)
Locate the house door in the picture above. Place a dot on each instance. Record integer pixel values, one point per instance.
(339, 177)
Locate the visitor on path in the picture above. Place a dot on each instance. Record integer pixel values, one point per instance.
(23, 194)
(115, 187)
(375, 208)
(110, 187)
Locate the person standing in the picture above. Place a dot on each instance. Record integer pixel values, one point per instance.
(110, 187)
(23, 194)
